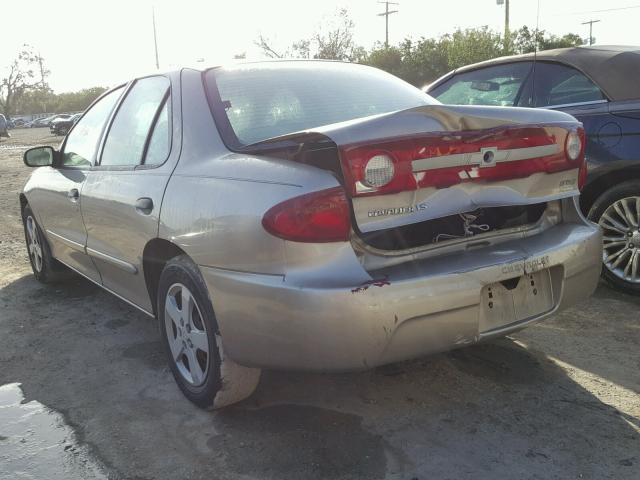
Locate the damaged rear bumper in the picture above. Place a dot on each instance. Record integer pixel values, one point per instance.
(407, 311)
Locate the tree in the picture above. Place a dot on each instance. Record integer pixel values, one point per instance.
(526, 41)
(333, 41)
(389, 59)
(423, 61)
(471, 46)
(26, 72)
(39, 100)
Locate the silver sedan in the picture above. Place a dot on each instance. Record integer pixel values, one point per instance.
(312, 215)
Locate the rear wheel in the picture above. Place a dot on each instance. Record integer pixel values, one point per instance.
(192, 340)
(617, 211)
(45, 268)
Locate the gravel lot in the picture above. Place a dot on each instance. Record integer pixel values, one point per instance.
(557, 401)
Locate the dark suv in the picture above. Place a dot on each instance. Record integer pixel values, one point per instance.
(598, 86)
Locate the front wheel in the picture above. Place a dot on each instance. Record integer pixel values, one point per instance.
(617, 211)
(192, 340)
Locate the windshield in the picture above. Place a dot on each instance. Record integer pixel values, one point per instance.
(256, 102)
(499, 85)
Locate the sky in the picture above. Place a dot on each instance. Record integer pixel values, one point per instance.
(96, 43)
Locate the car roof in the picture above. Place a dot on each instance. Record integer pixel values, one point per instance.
(614, 68)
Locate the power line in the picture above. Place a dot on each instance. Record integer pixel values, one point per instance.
(610, 9)
(594, 11)
(386, 14)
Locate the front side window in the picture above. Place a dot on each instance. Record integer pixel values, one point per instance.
(261, 102)
(82, 143)
(500, 85)
(557, 84)
(127, 137)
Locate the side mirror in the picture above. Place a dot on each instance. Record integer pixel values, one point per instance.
(39, 157)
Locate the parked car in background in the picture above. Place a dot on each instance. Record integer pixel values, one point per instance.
(314, 216)
(61, 126)
(599, 86)
(54, 118)
(40, 122)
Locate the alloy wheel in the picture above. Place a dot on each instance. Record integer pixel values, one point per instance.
(621, 239)
(34, 246)
(186, 334)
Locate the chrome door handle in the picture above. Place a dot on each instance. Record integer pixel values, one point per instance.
(73, 194)
(144, 205)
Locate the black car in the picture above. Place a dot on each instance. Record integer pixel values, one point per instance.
(62, 125)
(599, 86)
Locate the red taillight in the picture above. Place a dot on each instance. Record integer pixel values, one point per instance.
(582, 173)
(317, 217)
(444, 159)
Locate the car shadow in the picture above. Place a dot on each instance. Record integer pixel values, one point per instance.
(495, 410)
(600, 336)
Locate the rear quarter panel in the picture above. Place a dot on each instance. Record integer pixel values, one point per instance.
(215, 199)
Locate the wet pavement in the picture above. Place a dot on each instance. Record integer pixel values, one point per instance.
(35, 443)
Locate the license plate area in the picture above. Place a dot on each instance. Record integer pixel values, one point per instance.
(515, 300)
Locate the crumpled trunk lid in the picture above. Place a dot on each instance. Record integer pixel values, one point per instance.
(456, 159)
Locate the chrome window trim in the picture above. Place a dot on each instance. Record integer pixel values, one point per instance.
(578, 104)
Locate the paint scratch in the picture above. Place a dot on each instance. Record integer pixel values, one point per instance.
(380, 282)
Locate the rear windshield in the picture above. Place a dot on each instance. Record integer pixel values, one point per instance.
(252, 103)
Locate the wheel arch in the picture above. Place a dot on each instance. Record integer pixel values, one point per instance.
(600, 184)
(157, 252)
(23, 201)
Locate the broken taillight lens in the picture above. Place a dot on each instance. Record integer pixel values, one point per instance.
(317, 217)
(444, 159)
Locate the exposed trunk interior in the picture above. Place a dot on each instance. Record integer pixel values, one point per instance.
(466, 225)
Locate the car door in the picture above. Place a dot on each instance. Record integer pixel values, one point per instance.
(58, 203)
(561, 87)
(123, 192)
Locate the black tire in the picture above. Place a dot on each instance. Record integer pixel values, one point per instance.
(627, 189)
(48, 270)
(225, 382)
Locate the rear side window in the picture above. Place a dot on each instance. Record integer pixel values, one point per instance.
(82, 142)
(160, 142)
(557, 84)
(254, 103)
(499, 85)
(140, 110)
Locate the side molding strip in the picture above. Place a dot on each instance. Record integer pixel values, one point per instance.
(67, 242)
(110, 291)
(126, 266)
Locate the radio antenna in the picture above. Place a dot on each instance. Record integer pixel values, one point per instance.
(535, 54)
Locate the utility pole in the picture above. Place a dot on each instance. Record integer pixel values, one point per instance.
(507, 32)
(590, 22)
(155, 39)
(386, 14)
